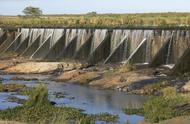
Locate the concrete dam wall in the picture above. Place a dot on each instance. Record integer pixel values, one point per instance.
(151, 46)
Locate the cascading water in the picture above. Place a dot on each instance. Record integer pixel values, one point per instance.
(168, 55)
(34, 35)
(116, 45)
(83, 35)
(24, 33)
(149, 36)
(99, 36)
(70, 35)
(1, 32)
(57, 33)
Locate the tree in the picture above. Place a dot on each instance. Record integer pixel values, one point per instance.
(93, 13)
(32, 11)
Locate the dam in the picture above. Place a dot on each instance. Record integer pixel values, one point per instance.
(154, 47)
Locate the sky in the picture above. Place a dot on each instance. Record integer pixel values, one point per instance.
(15, 7)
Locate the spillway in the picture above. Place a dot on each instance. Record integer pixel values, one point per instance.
(153, 46)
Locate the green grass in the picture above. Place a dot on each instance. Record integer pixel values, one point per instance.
(132, 111)
(159, 108)
(163, 20)
(156, 86)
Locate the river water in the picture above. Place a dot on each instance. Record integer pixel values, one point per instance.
(89, 99)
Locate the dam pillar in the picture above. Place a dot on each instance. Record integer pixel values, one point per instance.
(183, 63)
(3, 37)
(8, 41)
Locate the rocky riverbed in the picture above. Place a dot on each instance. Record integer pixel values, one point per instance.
(137, 79)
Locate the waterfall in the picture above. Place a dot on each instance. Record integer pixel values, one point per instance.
(115, 39)
(34, 35)
(169, 50)
(135, 39)
(24, 33)
(99, 36)
(149, 36)
(70, 35)
(83, 35)
(1, 32)
(56, 34)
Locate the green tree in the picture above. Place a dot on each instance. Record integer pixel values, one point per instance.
(32, 11)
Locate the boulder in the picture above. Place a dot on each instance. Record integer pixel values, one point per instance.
(186, 87)
(66, 76)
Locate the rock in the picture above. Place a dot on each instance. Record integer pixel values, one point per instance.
(66, 76)
(17, 100)
(59, 95)
(23, 79)
(1, 79)
(52, 102)
(186, 87)
(87, 77)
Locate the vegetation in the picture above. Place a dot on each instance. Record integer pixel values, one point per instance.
(164, 107)
(94, 20)
(121, 69)
(156, 86)
(11, 87)
(32, 11)
(132, 111)
(4, 55)
(38, 109)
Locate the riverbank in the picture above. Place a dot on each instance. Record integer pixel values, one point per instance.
(136, 79)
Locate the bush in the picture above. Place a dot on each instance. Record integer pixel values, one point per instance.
(157, 109)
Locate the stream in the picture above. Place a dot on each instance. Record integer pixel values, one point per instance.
(91, 100)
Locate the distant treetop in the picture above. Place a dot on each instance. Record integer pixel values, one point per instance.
(32, 11)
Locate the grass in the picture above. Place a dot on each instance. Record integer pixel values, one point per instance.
(133, 111)
(164, 107)
(164, 20)
(11, 87)
(156, 86)
(4, 55)
(38, 109)
(119, 70)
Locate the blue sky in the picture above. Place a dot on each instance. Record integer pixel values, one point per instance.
(15, 7)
